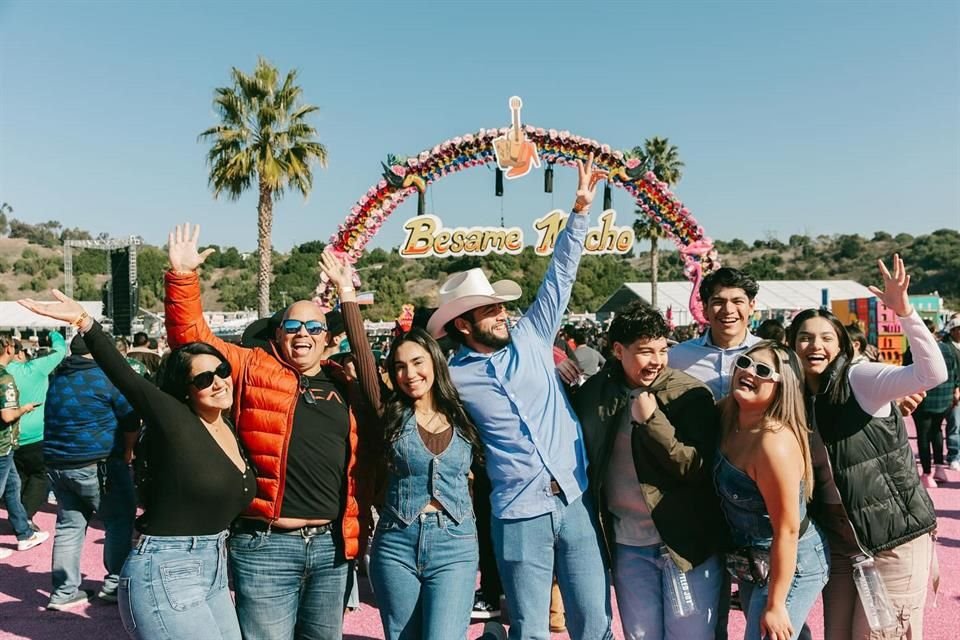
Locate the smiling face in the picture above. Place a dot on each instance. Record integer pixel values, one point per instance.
(413, 370)
(642, 360)
(728, 311)
(219, 395)
(817, 345)
(749, 390)
(302, 350)
(487, 328)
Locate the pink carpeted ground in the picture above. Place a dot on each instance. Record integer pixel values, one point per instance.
(25, 587)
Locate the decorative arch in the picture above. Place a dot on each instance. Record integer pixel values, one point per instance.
(404, 177)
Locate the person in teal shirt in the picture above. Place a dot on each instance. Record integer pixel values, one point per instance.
(32, 378)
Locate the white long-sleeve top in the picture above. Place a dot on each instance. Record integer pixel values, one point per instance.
(876, 385)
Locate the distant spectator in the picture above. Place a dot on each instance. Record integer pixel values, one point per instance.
(587, 357)
(772, 329)
(863, 351)
(137, 365)
(144, 353)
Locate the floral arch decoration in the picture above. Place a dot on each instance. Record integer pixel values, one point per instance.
(404, 177)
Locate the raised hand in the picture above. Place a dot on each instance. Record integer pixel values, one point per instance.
(182, 248)
(895, 286)
(587, 185)
(65, 308)
(337, 270)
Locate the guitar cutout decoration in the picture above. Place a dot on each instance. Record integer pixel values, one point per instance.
(516, 155)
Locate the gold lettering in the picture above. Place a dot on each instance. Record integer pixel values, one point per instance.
(549, 227)
(419, 236)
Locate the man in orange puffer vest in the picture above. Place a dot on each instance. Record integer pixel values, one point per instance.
(301, 423)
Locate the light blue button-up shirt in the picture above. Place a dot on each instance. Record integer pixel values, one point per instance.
(708, 363)
(514, 395)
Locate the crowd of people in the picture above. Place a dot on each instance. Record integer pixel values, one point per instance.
(558, 462)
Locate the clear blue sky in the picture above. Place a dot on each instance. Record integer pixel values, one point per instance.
(835, 117)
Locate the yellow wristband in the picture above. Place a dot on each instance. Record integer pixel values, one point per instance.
(347, 289)
(79, 321)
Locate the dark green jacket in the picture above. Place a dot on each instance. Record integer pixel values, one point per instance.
(672, 453)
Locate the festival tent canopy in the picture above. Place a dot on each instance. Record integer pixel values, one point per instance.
(776, 297)
(13, 316)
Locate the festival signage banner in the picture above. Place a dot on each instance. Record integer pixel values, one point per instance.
(426, 236)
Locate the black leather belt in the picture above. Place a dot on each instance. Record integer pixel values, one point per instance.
(247, 525)
(555, 488)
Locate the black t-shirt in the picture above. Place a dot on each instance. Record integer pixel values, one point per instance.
(315, 485)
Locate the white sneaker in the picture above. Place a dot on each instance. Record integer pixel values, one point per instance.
(955, 465)
(38, 537)
(5, 553)
(940, 473)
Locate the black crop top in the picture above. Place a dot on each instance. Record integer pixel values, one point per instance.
(195, 489)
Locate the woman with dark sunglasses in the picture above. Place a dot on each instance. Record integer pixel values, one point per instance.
(174, 583)
(764, 476)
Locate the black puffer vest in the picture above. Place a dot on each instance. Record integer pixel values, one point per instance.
(875, 472)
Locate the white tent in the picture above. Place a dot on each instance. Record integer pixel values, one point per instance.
(13, 316)
(776, 297)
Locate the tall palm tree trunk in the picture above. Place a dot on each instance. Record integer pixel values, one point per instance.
(654, 270)
(264, 248)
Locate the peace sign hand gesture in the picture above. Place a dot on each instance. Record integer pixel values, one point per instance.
(182, 248)
(587, 186)
(895, 286)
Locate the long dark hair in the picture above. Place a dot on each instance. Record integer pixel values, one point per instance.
(173, 376)
(834, 377)
(445, 396)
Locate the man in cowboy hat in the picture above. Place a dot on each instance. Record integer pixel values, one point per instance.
(534, 445)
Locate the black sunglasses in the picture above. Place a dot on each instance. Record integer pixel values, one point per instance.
(203, 380)
(761, 370)
(314, 327)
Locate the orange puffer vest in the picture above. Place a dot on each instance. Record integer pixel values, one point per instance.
(266, 390)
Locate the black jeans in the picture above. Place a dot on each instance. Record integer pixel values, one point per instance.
(489, 575)
(929, 434)
(33, 477)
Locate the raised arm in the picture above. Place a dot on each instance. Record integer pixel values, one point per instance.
(340, 273)
(182, 306)
(546, 311)
(876, 385)
(46, 364)
(142, 395)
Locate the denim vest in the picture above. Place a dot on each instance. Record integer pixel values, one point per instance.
(743, 505)
(417, 476)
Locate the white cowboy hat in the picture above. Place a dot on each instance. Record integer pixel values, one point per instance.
(953, 324)
(468, 290)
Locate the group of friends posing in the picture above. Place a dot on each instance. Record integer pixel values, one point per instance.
(669, 460)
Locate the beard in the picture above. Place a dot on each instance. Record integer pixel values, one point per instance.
(489, 338)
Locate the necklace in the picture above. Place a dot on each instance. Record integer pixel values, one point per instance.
(433, 416)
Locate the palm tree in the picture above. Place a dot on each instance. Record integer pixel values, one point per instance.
(663, 158)
(263, 135)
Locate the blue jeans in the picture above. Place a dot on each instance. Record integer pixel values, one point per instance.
(106, 489)
(288, 585)
(176, 587)
(423, 576)
(645, 610)
(813, 570)
(566, 541)
(10, 487)
(953, 434)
